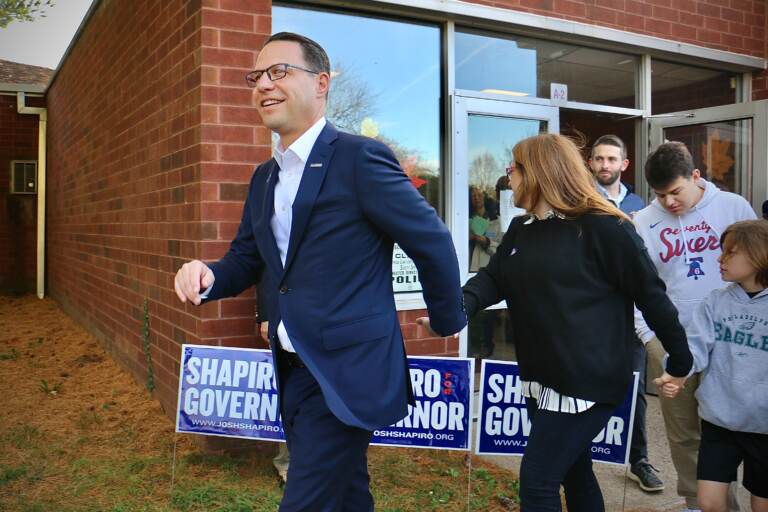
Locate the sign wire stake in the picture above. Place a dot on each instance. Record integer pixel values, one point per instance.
(469, 479)
(173, 463)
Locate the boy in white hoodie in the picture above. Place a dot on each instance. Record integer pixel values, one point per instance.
(729, 343)
(681, 229)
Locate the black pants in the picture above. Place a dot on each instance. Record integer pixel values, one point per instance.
(558, 452)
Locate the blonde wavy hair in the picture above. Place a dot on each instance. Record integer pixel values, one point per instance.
(552, 167)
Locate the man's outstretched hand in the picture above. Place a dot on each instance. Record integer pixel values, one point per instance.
(192, 277)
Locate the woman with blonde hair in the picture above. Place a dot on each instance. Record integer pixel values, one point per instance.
(571, 271)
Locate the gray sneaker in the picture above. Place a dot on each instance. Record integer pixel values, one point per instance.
(645, 476)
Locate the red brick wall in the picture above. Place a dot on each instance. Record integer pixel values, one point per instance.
(124, 185)
(233, 143)
(18, 212)
(732, 25)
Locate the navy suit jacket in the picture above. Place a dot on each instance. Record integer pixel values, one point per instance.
(334, 293)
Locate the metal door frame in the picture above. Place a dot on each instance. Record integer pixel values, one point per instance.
(757, 111)
(463, 106)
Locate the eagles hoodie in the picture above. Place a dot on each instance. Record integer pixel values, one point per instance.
(684, 248)
(728, 338)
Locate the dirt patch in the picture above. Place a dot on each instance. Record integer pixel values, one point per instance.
(88, 359)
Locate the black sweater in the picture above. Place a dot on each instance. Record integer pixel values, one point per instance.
(570, 286)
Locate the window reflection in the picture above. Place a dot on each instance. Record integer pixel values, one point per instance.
(520, 66)
(491, 209)
(721, 151)
(677, 87)
(495, 65)
(491, 202)
(385, 85)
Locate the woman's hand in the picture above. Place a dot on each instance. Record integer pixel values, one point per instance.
(424, 322)
(670, 386)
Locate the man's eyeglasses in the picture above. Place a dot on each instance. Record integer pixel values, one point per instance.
(273, 72)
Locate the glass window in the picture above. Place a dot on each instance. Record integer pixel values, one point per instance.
(520, 66)
(586, 126)
(23, 177)
(385, 84)
(491, 203)
(677, 87)
(490, 140)
(722, 150)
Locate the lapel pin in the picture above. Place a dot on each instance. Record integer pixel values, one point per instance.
(318, 164)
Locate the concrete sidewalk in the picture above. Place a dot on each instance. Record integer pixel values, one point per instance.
(622, 494)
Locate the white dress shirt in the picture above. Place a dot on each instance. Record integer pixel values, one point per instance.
(623, 190)
(291, 162)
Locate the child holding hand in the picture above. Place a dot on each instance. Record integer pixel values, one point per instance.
(729, 343)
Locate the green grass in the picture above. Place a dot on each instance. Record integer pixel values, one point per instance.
(117, 473)
(49, 389)
(217, 498)
(9, 473)
(123, 481)
(21, 437)
(9, 356)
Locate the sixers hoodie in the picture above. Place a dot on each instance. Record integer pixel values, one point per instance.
(684, 248)
(728, 337)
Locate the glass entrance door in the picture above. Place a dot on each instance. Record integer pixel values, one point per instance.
(727, 143)
(485, 131)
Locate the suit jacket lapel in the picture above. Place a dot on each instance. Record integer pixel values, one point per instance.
(263, 229)
(311, 181)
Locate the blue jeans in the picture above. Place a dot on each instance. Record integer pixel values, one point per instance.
(558, 452)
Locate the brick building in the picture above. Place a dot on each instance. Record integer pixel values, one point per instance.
(18, 173)
(152, 136)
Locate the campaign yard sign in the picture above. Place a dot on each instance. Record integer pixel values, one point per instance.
(232, 392)
(441, 416)
(503, 423)
(228, 392)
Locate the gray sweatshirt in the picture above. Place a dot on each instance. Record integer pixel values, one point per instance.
(728, 338)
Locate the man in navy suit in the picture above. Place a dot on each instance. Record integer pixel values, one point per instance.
(321, 218)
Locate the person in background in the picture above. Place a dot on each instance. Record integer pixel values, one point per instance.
(681, 229)
(478, 225)
(484, 236)
(608, 160)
